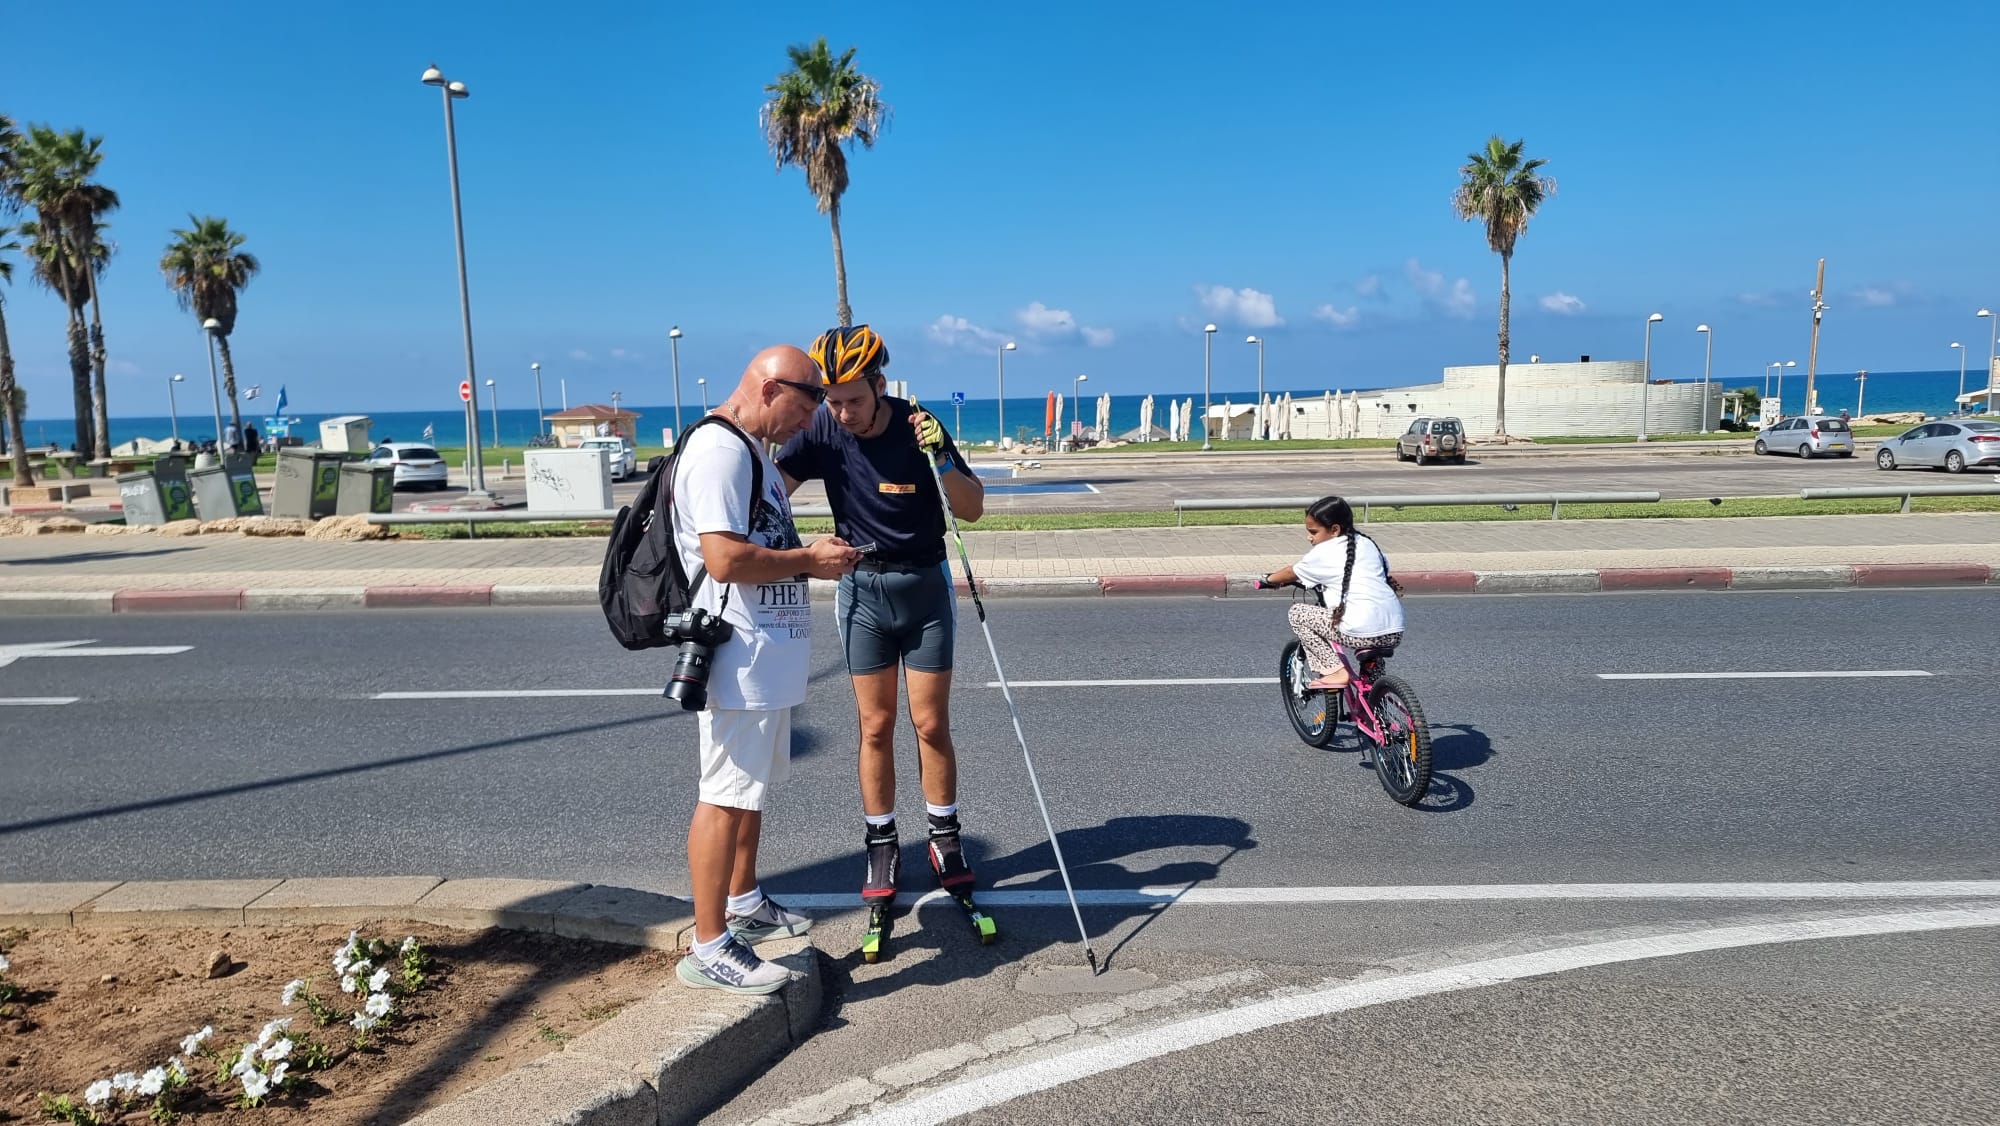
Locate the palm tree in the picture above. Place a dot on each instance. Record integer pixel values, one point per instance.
(10, 398)
(206, 270)
(1499, 189)
(54, 178)
(57, 271)
(814, 108)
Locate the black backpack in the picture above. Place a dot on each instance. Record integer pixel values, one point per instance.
(642, 581)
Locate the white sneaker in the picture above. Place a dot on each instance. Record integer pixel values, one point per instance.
(735, 969)
(770, 920)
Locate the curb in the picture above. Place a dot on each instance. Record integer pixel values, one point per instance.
(1558, 581)
(668, 1059)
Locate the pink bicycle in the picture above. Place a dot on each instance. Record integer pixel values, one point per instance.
(1380, 707)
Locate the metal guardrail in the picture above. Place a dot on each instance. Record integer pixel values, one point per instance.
(1904, 491)
(473, 518)
(1555, 501)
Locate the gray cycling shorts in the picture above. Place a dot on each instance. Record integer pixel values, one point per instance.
(887, 617)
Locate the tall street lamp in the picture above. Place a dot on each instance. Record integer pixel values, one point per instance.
(1207, 350)
(1076, 401)
(674, 343)
(1259, 413)
(1992, 351)
(1708, 360)
(1000, 356)
(703, 384)
(1958, 404)
(1860, 391)
(1781, 385)
(211, 326)
(1646, 384)
(452, 91)
(494, 397)
(541, 412)
(173, 412)
(1767, 376)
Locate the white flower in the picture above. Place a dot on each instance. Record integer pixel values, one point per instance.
(153, 1081)
(97, 1092)
(272, 1029)
(278, 1051)
(124, 1081)
(364, 1022)
(5, 965)
(195, 1040)
(174, 1066)
(409, 944)
(361, 968)
(278, 1074)
(347, 984)
(378, 1005)
(255, 1086)
(292, 989)
(380, 981)
(246, 1060)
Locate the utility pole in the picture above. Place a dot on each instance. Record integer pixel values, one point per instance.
(1812, 358)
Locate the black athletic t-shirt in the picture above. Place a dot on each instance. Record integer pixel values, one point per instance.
(882, 489)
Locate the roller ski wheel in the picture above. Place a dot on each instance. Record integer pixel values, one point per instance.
(982, 924)
(875, 940)
(878, 888)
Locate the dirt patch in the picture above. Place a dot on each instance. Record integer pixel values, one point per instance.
(92, 1004)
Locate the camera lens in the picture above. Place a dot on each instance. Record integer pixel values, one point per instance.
(689, 684)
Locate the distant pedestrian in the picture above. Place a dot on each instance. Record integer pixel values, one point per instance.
(252, 444)
(232, 438)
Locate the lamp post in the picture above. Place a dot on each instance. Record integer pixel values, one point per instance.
(1076, 403)
(1000, 356)
(1258, 433)
(1207, 350)
(1646, 383)
(541, 412)
(1958, 404)
(452, 91)
(1992, 350)
(1707, 362)
(703, 384)
(1860, 391)
(493, 396)
(211, 326)
(674, 343)
(173, 412)
(1781, 385)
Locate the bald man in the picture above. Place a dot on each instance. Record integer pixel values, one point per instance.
(743, 538)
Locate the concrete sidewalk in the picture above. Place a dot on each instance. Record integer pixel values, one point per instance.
(80, 572)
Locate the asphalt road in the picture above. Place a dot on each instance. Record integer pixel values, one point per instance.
(261, 750)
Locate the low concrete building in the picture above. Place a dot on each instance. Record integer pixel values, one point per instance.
(593, 420)
(1543, 400)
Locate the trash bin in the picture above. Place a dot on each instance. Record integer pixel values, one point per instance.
(219, 493)
(170, 467)
(366, 487)
(308, 484)
(149, 500)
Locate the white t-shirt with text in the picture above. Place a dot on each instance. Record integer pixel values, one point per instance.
(1372, 608)
(765, 663)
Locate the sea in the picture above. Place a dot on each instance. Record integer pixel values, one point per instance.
(975, 420)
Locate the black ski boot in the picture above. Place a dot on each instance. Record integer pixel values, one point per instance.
(885, 863)
(947, 861)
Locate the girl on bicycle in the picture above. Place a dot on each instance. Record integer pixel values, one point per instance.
(1368, 614)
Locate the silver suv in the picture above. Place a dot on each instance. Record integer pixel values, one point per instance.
(1428, 438)
(1809, 436)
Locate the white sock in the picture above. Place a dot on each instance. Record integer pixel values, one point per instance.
(706, 952)
(941, 810)
(878, 820)
(746, 903)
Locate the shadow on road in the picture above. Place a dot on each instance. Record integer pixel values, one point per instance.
(91, 557)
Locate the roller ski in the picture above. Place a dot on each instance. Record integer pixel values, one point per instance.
(955, 876)
(878, 890)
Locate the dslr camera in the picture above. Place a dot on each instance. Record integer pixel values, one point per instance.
(697, 632)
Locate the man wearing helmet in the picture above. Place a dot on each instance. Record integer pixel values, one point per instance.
(897, 608)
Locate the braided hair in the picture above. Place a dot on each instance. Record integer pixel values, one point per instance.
(1335, 512)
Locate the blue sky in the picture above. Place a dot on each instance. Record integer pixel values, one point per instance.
(1094, 181)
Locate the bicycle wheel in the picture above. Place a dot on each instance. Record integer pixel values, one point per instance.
(1310, 711)
(1403, 762)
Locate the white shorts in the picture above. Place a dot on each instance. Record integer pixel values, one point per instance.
(743, 754)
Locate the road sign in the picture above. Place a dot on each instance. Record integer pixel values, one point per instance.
(958, 397)
(465, 389)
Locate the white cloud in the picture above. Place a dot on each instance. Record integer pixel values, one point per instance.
(957, 332)
(1370, 286)
(1875, 298)
(1341, 318)
(1246, 306)
(1757, 300)
(1040, 320)
(123, 367)
(579, 354)
(1565, 304)
(1456, 299)
(1099, 337)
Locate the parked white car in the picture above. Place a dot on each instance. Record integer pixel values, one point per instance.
(418, 466)
(1809, 436)
(624, 459)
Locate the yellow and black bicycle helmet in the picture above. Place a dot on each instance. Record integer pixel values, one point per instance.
(850, 353)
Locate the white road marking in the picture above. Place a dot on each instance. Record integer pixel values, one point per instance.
(1011, 1083)
(1220, 896)
(1136, 683)
(11, 653)
(517, 693)
(36, 701)
(1842, 674)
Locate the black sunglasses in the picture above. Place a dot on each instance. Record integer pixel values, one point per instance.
(817, 394)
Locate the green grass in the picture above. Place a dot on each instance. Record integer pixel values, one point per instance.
(1244, 445)
(1077, 521)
